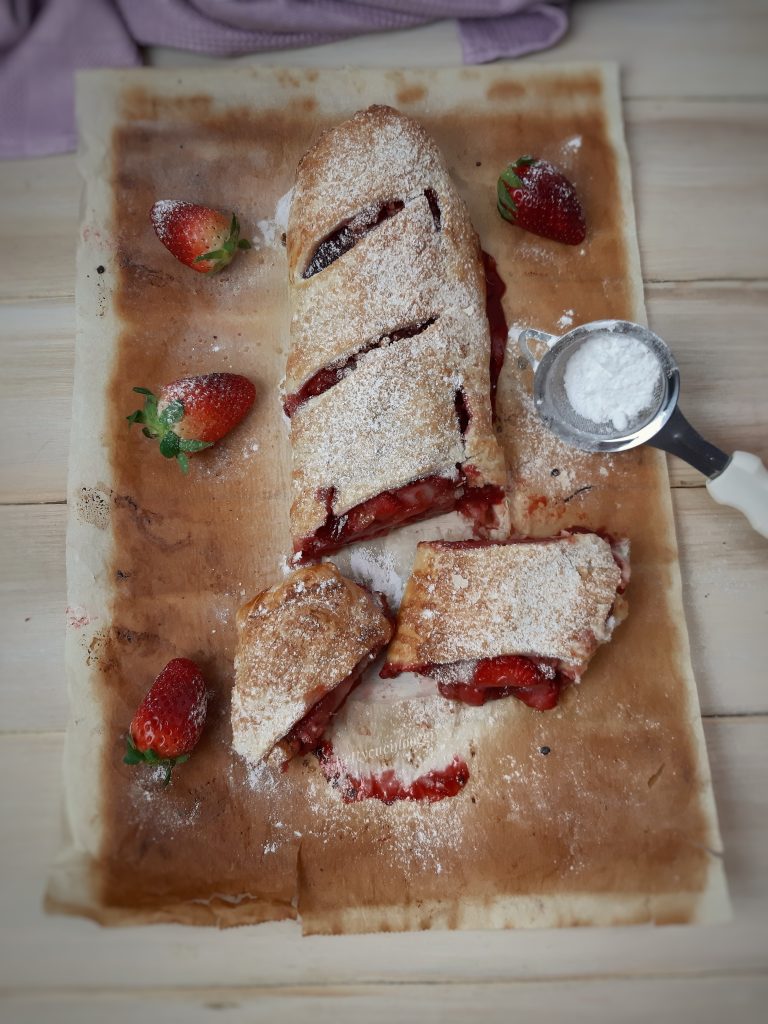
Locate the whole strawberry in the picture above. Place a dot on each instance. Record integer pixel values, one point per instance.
(536, 196)
(201, 238)
(170, 719)
(194, 412)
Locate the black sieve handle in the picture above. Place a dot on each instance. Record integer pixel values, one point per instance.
(678, 437)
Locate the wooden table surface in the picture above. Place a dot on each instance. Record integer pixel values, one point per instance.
(695, 82)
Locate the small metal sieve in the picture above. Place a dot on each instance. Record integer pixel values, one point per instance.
(740, 480)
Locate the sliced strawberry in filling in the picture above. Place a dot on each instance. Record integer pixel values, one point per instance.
(306, 735)
(536, 682)
(542, 696)
(430, 496)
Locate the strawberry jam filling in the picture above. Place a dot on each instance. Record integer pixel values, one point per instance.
(535, 682)
(326, 377)
(422, 499)
(348, 234)
(497, 321)
(385, 786)
(330, 375)
(307, 733)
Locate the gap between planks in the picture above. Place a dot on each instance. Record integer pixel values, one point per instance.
(219, 993)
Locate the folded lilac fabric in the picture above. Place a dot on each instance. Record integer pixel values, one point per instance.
(42, 42)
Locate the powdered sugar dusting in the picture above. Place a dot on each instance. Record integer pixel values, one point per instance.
(296, 642)
(402, 272)
(548, 599)
(389, 423)
(612, 379)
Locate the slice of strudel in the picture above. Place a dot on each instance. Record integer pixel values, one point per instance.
(521, 618)
(388, 376)
(302, 647)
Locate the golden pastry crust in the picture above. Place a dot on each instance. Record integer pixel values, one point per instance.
(400, 273)
(392, 419)
(295, 643)
(553, 598)
(375, 156)
(403, 270)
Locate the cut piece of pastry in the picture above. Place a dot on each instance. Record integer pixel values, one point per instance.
(388, 378)
(302, 646)
(521, 618)
(404, 436)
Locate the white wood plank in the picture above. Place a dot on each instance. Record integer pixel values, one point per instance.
(692, 48)
(718, 333)
(37, 344)
(723, 565)
(39, 952)
(605, 1001)
(38, 229)
(32, 621)
(700, 178)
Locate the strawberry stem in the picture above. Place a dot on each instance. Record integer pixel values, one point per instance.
(223, 256)
(135, 756)
(161, 424)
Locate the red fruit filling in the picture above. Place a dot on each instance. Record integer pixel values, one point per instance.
(497, 321)
(349, 234)
(536, 683)
(330, 375)
(432, 786)
(306, 734)
(430, 496)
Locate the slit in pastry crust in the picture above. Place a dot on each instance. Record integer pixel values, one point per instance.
(374, 450)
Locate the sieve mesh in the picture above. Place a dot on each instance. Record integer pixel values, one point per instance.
(558, 397)
(556, 411)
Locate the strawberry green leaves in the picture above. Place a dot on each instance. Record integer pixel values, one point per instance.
(160, 424)
(222, 256)
(509, 182)
(135, 756)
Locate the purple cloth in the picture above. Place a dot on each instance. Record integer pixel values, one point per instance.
(43, 41)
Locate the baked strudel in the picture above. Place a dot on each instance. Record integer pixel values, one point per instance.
(388, 376)
(302, 647)
(521, 618)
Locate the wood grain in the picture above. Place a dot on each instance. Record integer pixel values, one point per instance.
(695, 51)
(38, 346)
(686, 48)
(38, 229)
(51, 953)
(700, 209)
(710, 1000)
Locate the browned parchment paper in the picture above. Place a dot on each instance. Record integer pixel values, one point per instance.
(616, 823)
